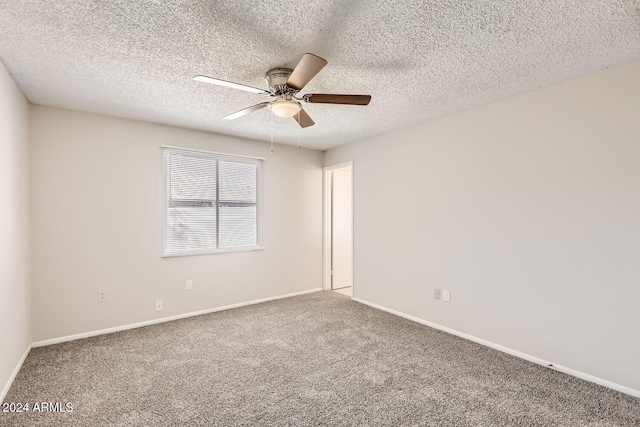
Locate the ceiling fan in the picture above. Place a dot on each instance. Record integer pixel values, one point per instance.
(284, 85)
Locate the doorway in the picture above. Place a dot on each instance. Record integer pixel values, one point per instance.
(338, 252)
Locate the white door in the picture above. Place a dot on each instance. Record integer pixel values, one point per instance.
(341, 229)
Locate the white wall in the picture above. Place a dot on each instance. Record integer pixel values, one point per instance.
(527, 209)
(96, 226)
(15, 305)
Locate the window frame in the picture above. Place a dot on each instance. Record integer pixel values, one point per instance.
(258, 161)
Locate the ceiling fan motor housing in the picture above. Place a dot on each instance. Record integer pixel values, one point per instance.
(277, 81)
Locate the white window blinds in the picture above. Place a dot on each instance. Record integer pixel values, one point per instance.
(211, 202)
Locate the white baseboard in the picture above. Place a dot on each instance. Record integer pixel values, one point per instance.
(164, 319)
(605, 383)
(12, 377)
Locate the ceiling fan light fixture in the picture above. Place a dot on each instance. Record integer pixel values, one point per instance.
(284, 108)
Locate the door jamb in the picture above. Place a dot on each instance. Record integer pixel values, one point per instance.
(326, 223)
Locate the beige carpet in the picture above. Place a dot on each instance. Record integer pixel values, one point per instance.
(314, 360)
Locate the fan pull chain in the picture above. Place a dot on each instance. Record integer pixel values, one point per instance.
(299, 130)
(271, 131)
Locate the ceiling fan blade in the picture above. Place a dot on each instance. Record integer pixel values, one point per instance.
(323, 98)
(246, 111)
(306, 69)
(303, 119)
(232, 85)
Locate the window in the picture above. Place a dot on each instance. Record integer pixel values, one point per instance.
(211, 202)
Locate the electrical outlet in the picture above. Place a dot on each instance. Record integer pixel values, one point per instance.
(158, 305)
(436, 293)
(446, 295)
(102, 296)
(189, 285)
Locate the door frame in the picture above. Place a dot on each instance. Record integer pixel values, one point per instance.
(326, 221)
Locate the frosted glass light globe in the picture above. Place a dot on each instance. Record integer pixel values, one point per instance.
(285, 108)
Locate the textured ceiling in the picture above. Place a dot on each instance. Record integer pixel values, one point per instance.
(418, 59)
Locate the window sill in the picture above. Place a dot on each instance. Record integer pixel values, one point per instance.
(217, 251)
